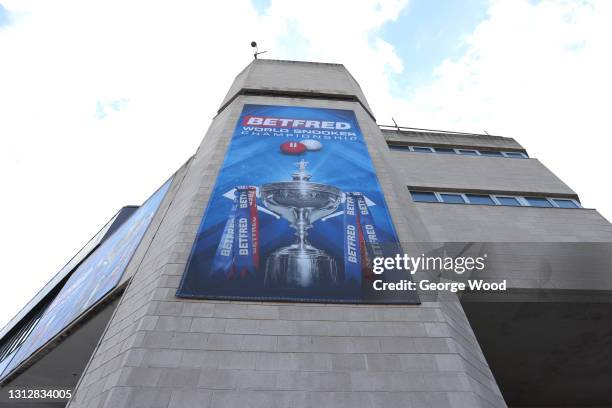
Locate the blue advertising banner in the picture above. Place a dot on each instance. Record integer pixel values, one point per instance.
(94, 277)
(297, 214)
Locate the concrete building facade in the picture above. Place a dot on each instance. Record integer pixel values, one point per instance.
(153, 349)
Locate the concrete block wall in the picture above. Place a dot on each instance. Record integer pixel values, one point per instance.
(181, 353)
(457, 172)
(297, 77)
(483, 223)
(424, 138)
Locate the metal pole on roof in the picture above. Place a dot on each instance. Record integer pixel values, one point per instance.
(396, 126)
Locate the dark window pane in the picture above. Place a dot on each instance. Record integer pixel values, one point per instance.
(452, 198)
(565, 203)
(516, 155)
(467, 152)
(480, 199)
(424, 197)
(398, 147)
(445, 150)
(421, 149)
(538, 202)
(491, 153)
(508, 201)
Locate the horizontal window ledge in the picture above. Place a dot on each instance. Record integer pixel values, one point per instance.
(502, 205)
(460, 150)
(543, 194)
(490, 198)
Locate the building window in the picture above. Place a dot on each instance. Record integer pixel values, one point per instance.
(480, 199)
(492, 199)
(466, 152)
(469, 152)
(538, 202)
(505, 200)
(12, 343)
(445, 150)
(423, 197)
(491, 153)
(515, 155)
(452, 198)
(421, 149)
(565, 203)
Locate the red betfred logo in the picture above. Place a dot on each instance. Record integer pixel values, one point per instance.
(268, 121)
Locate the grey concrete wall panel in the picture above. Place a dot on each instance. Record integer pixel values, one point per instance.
(297, 78)
(460, 173)
(449, 139)
(482, 223)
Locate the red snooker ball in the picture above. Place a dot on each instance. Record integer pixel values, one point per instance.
(293, 148)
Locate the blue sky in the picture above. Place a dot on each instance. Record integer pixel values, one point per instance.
(4, 16)
(424, 34)
(261, 6)
(428, 32)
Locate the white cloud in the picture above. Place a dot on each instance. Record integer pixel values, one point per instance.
(539, 72)
(100, 103)
(342, 31)
(102, 100)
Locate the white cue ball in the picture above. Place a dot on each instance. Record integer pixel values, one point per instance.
(312, 145)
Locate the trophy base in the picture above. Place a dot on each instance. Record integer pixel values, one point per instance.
(300, 267)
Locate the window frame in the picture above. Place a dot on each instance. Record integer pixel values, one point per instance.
(418, 191)
(537, 206)
(441, 200)
(459, 151)
(399, 147)
(452, 150)
(500, 153)
(517, 198)
(508, 155)
(478, 194)
(576, 203)
(431, 149)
